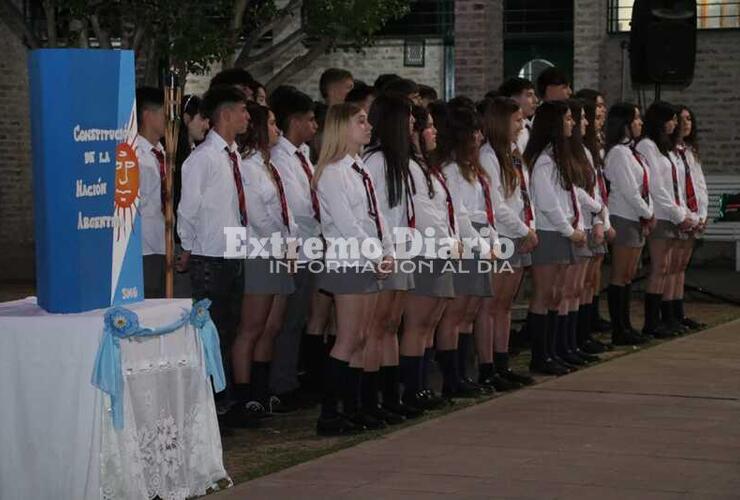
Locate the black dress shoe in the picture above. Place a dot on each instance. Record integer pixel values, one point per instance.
(502, 384)
(405, 410)
(366, 420)
(548, 367)
(694, 325)
(337, 426)
(589, 346)
(487, 385)
(244, 415)
(384, 415)
(676, 327)
(628, 339)
(518, 378)
(486, 389)
(600, 325)
(659, 332)
(466, 388)
(589, 358)
(572, 358)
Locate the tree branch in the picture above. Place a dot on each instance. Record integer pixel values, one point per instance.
(274, 50)
(299, 63)
(100, 33)
(237, 21)
(51, 22)
(13, 19)
(262, 30)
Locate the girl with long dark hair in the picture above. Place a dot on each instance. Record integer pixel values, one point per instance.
(631, 214)
(559, 228)
(266, 283)
(387, 160)
(500, 157)
(693, 188)
(673, 218)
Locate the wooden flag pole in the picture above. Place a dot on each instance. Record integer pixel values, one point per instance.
(172, 99)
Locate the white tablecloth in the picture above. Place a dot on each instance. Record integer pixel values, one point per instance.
(56, 435)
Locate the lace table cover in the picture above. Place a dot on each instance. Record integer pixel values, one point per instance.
(57, 439)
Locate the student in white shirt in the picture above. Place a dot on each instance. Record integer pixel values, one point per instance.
(693, 188)
(387, 160)
(433, 284)
(349, 211)
(458, 145)
(559, 228)
(267, 281)
(522, 91)
(500, 157)
(631, 214)
(592, 214)
(595, 107)
(213, 200)
(294, 112)
(588, 314)
(193, 129)
(152, 168)
(672, 216)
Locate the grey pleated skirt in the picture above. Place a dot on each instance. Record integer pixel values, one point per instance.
(402, 278)
(628, 232)
(585, 252)
(348, 280)
(267, 276)
(471, 278)
(600, 249)
(517, 259)
(431, 279)
(553, 248)
(664, 230)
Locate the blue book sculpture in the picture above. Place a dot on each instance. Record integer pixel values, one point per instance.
(85, 179)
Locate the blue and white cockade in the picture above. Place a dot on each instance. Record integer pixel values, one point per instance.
(121, 323)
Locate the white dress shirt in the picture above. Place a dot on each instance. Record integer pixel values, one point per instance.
(625, 175)
(598, 195)
(552, 203)
(396, 217)
(345, 210)
(150, 206)
(263, 201)
(661, 183)
(470, 206)
(209, 201)
(697, 177)
(432, 213)
(509, 210)
(297, 188)
(591, 204)
(523, 138)
(681, 178)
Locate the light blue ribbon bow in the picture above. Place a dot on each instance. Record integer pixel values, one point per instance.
(121, 323)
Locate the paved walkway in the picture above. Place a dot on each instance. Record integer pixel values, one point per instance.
(663, 423)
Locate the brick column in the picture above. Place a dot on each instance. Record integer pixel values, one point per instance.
(589, 39)
(479, 46)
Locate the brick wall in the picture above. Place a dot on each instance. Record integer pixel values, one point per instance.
(16, 203)
(386, 56)
(479, 58)
(714, 94)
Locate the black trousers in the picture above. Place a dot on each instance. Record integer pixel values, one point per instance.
(221, 281)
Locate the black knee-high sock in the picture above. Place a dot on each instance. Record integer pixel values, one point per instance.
(242, 392)
(464, 352)
(351, 393)
(448, 364)
(426, 368)
(652, 312)
(410, 374)
(391, 381)
(333, 376)
(314, 358)
(595, 311)
(552, 335)
(501, 361)
(260, 381)
(616, 314)
(626, 302)
(666, 311)
(485, 371)
(370, 389)
(678, 311)
(561, 335)
(537, 328)
(573, 331)
(583, 334)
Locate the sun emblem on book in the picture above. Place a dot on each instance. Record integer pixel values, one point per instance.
(127, 184)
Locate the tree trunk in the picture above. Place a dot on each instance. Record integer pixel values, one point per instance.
(13, 19)
(237, 21)
(100, 33)
(259, 33)
(51, 22)
(299, 63)
(274, 51)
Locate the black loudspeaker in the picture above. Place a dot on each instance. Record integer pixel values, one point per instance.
(663, 42)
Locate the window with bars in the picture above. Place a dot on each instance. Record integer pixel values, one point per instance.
(710, 14)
